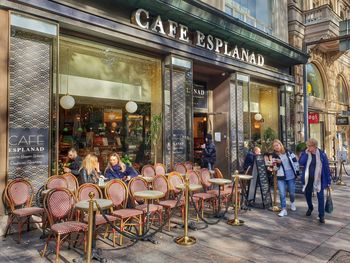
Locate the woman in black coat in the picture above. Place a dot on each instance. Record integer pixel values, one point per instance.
(209, 153)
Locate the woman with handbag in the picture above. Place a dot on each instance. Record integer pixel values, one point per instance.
(288, 169)
(316, 176)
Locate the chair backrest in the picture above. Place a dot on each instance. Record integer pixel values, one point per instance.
(160, 183)
(181, 168)
(137, 184)
(58, 205)
(72, 181)
(19, 192)
(56, 182)
(117, 191)
(159, 168)
(205, 176)
(85, 189)
(218, 173)
(148, 171)
(188, 165)
(174, 179)
(193, 177)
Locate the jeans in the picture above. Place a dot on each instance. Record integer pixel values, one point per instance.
(282, 190)
(320, 197)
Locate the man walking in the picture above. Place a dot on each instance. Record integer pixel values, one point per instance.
(316, 176)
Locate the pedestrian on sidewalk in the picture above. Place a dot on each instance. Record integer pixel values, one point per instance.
(209, 153)
(316, 176)
(288, 169)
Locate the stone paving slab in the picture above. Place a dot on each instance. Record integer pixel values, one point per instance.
(264, 238)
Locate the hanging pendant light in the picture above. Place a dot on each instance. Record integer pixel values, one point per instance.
(67, 101)
(131, 106)
(258, 117)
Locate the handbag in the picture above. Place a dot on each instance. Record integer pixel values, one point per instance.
(329, 202)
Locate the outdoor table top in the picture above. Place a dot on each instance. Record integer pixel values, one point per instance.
(149, 194)
(183, 175)
(333, 162)
(45, 191)
(243, 176)
(103, 203)
(219, 181)
(149, 179)
(193, 187)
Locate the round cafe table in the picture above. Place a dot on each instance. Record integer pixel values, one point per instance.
(84, 206)
(149, 195)
(243, 181)
(192, 188)
(220, 182)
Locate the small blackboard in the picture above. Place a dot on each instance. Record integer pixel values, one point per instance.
(260, 178)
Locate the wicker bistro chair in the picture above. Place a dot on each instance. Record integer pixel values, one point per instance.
(83, 194)
(72, 182)
(181, 168)
(159, 168)
(140, 184)
(148, 171)
(160, 183)
(202, 197)
(19, 195)
(59, 207)
(56, 182)
(117, 191)
(188, 165)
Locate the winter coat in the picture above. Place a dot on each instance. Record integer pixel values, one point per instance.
(209, 153)
(325, 173)
(75, 166)
(115, 172)
(84, 177)
(292, 161)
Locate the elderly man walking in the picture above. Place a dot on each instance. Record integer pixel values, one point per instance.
(316, 176)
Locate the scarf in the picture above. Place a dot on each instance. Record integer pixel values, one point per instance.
(318, 171)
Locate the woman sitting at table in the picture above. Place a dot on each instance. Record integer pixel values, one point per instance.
(116, 169)
(90, 170)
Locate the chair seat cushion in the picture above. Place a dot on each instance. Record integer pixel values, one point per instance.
(171, 203)
(69, 227)
(100, 220)
(28, 211)
(126, 213)
(204, 196)
(152, 208)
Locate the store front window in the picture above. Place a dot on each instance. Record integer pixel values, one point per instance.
(261, 119)
(342, 91)
(314, 81)
(102, 80)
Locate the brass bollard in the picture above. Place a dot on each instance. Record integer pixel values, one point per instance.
(235, 221)
(186, 240)
(275, 208)
(90, 227)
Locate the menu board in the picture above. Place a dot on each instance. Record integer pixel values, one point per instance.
(260, 178)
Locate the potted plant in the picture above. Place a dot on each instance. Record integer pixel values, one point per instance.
(268, 136)
(155, 133)
(301, 146)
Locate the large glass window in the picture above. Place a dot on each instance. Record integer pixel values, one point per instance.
(256, 13)
(102, 80)
(314, 81)
(342, 91)
(261, 119)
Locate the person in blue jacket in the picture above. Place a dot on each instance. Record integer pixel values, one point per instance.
(116, 169)
(249, 159)
(316, 176)
(209, 152)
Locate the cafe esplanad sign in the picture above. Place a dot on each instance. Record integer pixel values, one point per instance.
(181, 32)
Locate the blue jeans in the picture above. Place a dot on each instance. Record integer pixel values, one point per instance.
(282, 190)
(320, 197)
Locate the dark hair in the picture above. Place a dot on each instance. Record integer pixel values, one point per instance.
(209, 136)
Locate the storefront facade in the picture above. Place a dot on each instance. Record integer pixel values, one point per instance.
(123, 63)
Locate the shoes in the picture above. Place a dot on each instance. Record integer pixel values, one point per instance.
(322, 221)
(293, 207)
(309, 211)
(283, 213)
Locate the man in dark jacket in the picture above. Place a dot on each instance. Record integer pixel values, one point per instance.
(209, 152)
(74, 162)
(316, 176)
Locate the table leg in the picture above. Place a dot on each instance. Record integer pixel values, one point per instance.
(150, 239)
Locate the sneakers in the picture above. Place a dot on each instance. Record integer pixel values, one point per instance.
(322, 221)
(283, 213)
(293, 207)
(309, 211)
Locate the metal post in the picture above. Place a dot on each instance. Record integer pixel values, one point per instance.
(275, 208)
(90, 227)
(186, 240)
(236, 221)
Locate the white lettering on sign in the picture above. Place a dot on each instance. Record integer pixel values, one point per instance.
(179, 31)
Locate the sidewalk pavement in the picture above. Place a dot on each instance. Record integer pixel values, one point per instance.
(264, 238)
